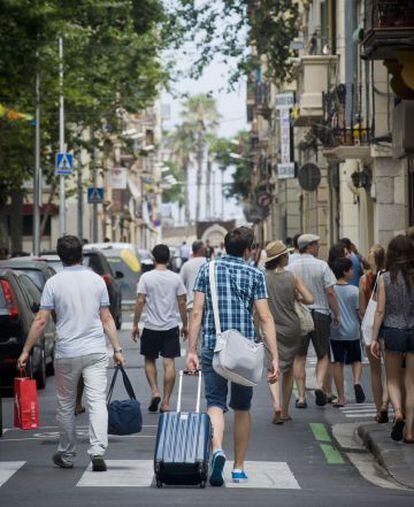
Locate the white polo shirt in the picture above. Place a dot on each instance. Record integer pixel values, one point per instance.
(76, 294)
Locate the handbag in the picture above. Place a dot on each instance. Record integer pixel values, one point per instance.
(307, 324)
(26, 405)
(235, 358)
(367, 324)
(124, 417)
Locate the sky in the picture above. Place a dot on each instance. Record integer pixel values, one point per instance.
(232, 108)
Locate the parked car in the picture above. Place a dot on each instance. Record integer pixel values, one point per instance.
(39, 271)
(122, 258)
(96, 261)
(53, 260)
(19, 303)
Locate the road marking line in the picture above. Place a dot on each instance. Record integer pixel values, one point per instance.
(332, 455)
(139, 474)
(319, 432)
(370, 414)
(8, 469)
(356, 410)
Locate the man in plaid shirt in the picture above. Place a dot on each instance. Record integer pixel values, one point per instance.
(241, 290)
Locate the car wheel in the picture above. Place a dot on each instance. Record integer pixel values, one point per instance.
(40, 374)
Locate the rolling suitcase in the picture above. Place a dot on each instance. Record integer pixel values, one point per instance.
(182, 449)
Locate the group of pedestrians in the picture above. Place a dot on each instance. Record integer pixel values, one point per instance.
(293, 300)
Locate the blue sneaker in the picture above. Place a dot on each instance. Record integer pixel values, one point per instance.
(217, 467)
(239, 476)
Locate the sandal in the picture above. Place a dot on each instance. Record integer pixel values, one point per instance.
(277, 418)
(408, 440)
(338, 405)
(154, 404)
(301, 404)
(382, 417)
(320, 398)
(397, 430)
(331, 398)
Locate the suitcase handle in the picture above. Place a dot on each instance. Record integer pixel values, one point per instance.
(180, 388)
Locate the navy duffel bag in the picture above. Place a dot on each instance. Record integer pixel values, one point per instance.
(124, 417)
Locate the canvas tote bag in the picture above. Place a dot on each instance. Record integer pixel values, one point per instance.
(367, 324)
(235, 358)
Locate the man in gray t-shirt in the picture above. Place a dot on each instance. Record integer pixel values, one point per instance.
(79, 299)
(165, 296)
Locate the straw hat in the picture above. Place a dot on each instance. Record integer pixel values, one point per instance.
(276, 249)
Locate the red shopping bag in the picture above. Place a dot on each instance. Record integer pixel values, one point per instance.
(26, 406)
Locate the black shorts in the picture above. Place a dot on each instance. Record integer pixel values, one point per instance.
(346, 351)
(166, 343)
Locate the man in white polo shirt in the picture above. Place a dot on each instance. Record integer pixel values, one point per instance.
(319, 279)
(79, 298)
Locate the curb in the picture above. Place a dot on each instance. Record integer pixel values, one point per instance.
(394, 457)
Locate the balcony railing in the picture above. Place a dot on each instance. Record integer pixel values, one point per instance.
(335, 130)
(389, 27)
(389, 13)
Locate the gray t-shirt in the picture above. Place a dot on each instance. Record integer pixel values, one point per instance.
(76, 294)
(348, 300)
(161, 289)
(188, 274)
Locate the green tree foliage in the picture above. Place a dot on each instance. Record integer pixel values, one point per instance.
(239, 30)
(111, 60)
(176, 193)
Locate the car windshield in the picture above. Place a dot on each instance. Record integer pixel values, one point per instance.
(125, 262)
(37, 277)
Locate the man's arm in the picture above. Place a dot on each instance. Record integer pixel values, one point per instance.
(139, 306)
(111, 332)
(269, 330)
(333, 304)
(36, 331)
(182, 307)
(192, 362)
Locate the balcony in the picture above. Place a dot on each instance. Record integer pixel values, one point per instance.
(315, 74)
(262, 98)
(389, 28)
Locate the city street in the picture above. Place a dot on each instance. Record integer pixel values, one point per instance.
(299, 463)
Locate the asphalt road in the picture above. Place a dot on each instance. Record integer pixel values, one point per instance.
(297, 464)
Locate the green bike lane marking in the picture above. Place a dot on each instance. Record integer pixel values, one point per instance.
(332, 455)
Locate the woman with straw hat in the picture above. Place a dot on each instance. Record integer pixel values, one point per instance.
(284, 289)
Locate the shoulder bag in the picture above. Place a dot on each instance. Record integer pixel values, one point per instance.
(236, 358)
(305, 318)
(367, 324)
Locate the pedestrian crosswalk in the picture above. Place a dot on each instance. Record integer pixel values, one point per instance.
(359, 411)
(139, 474)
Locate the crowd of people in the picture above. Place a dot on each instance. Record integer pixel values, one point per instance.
(285, 296)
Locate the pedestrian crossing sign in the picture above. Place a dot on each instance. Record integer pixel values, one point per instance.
(95, 195)
(64, 164)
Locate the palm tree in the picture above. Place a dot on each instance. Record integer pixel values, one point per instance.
(181, 144)
(201, 117)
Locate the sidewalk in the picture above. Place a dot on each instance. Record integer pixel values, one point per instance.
(396, 457)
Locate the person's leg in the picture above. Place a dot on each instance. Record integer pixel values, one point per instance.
(299, 369)
(357, 372)
(94, 376)
(275, 395)
(240, 402)
(79, 394)
(169, 380)
(218, 423)
(338, 371)
(151, 374)
(376, 380)
(409, 396)
(321, 344)
(287, 386)
(242, 428)
(321, 371)
(67, 374)
(327, 383)
(385, 395)
(393, 369)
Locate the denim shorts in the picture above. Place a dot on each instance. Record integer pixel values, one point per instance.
(398, 340)
(216, 387)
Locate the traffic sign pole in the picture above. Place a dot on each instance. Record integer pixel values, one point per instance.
(62, 196)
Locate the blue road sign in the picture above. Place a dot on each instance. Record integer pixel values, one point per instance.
(64, 164)
(95, 195)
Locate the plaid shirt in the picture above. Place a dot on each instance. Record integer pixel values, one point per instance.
(238, 286)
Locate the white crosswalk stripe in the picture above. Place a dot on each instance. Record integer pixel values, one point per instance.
(359, 410)
(139, 474)
(8, 469)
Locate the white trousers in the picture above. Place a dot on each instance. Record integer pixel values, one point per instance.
(67, 373)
